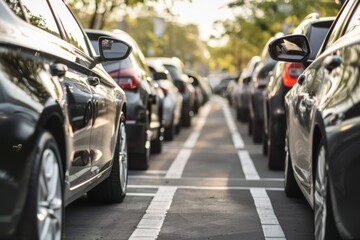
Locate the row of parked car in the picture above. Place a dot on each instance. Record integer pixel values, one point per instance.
(301, 99)
(78, 108)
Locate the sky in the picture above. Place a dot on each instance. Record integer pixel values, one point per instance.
(203, 13)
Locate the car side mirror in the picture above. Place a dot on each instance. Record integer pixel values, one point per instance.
(113, 49)
(290, 48)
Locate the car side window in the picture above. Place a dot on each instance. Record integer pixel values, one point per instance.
(338, 27)
(354, 21)
(39, 14)
(73, 31)
(16, 8)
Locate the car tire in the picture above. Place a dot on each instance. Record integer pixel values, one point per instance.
(250, 127)
(265, 144)
(170, 131)
(276, 153)
(156, 144)
(257, 131)
(291, 187)
(114, 188)
(43, 215)
(325, 227)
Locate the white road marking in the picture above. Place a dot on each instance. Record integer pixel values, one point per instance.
(177, 167)
(194, 136)
(203, 188)
(270, 224)
(248, 166)
(236, 137)
(141, 194)
(154, 172)
(150, 225)
(210, 179)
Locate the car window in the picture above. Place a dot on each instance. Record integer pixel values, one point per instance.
(337, 27)
(16, 8)
(39, 14)
(354, 21)
(73, 31)
(174, 72)
(316, 38)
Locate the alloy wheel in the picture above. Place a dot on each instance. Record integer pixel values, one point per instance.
(49, 203)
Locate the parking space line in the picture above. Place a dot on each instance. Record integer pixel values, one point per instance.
(140, 194)
(150, 225)
(248, 166)
(201, 120)
(203, 187)
(236, 137)
(177, 167)
(269, 222)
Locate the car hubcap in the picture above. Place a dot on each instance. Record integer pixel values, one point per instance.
(320, 196)
(123, 159)
(49, 213)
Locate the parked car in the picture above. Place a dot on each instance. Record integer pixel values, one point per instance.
(259, 81)
(202, 89)
(322, 117)
(177, 72)
(144, 108)
(172, 98)
(283, 79)
(241, 92)
(221, 87)
(62, 119)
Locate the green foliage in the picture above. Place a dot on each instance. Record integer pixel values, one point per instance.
(258, 20)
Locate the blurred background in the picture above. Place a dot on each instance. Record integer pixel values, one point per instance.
(212, 37)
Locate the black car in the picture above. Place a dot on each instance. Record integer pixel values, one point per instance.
(323, 126)
(283, 79)
(62, 119)
(144, 124)
(242, 90)
(257, 86)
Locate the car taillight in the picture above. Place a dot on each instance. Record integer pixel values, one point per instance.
(165, 91)
(182, 88)
(128, 82)
(291, 73)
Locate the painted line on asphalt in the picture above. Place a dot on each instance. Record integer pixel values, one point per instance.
(194, 136)
(150, 225)
(248, 166)
(177, 167)
(236, 137)
(203, 188)
(269, 222)
(210, 179)
(140, 194)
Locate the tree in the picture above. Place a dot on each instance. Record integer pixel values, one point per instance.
(258, 20)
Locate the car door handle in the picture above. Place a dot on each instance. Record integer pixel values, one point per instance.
(332, 62)
(93, 81)
(58, 69)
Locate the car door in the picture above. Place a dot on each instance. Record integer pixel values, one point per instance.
(101, 104)
(77, 91)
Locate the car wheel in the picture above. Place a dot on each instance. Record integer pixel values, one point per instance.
(170, 131)
(276, 153)
(186, 117)
(257, 131)
(325, 227)
(156, 144)
(265, 144)
(250, 127)
(43, 216)
(114, 188)
(290, 185)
